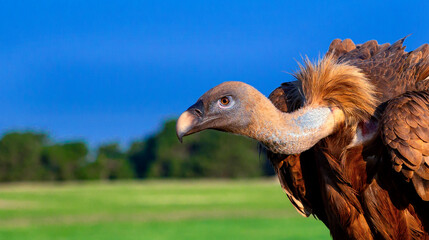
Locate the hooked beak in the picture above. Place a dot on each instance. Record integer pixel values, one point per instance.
(189, 121)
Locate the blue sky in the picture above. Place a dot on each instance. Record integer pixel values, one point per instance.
(104, 71)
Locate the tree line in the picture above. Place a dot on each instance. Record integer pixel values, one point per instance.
(33, 156)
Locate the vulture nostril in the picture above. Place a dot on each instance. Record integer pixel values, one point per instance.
(198, 112)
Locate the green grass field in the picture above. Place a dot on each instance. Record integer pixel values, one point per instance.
(193, 209)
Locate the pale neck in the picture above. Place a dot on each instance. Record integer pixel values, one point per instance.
(292, 133)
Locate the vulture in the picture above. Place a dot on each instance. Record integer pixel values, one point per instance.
(348, 138)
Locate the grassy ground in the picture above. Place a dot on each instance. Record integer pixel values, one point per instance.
(198, 209)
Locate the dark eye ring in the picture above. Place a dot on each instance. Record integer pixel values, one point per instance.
(224, 101)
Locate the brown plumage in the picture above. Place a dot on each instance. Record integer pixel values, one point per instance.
(337, 84)
(349, 139)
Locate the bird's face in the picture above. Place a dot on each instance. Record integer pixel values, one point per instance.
(223, 108)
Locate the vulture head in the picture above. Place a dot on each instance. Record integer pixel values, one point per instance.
(238, 108)
(226, 107)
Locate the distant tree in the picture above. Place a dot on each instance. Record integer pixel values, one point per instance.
(63, 161)
(141, 155)
(28, 156)
(111, 163)
(20, 156)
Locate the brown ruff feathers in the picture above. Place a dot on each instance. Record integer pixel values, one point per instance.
(328, 83)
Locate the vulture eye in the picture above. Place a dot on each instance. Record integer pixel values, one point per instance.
(224, 101)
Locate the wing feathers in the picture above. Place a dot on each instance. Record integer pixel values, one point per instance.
(422, 132)
(406, 133)
(339, 48)
(412, 121)
(422, 186)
